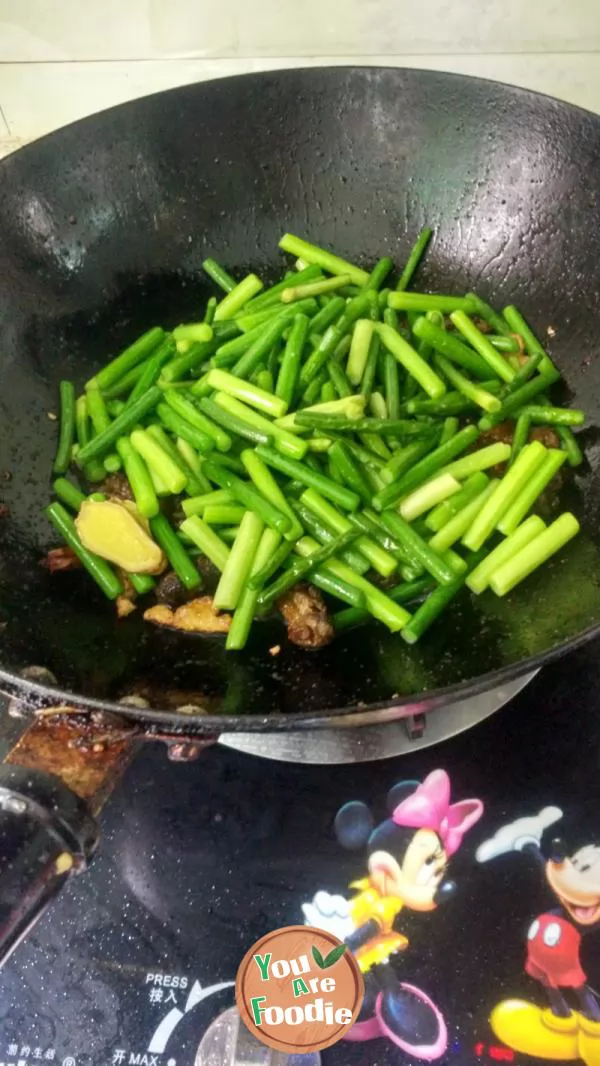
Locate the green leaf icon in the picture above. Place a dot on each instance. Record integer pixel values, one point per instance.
(334, 955)
(316, 954)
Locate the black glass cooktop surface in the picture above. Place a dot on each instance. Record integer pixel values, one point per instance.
(497, 931)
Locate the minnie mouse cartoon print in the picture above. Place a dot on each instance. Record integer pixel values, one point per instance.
(408, 854)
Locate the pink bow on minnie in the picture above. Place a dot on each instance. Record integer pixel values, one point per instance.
(429, 807)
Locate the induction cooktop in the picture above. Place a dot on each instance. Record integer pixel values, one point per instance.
(134, 964)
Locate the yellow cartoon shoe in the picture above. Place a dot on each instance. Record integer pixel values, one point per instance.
(589, 1041)
(526, 1028)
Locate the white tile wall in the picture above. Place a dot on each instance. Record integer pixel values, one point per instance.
(63, 59)
(156, 29)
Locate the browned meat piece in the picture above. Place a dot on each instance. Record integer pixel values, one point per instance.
(60, 559)
(116, 485)
(305, 615)
(124, 606)
(210, 574)
(197, 616)
(175, 596)
(546, 435)
(4, 511)
(502, 433)
(170, 591)
(550, 498)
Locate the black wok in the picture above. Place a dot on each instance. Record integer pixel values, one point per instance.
(103, 228)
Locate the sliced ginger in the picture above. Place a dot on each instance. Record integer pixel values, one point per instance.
(112, 531)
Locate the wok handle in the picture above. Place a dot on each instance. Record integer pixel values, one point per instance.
(46, 835)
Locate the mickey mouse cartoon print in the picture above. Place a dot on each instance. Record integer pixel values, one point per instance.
(568, 1027)
(408, 855)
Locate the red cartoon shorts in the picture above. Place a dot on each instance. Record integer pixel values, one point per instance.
(553, 952)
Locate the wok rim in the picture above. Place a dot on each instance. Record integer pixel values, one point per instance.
(34, 695)
(278, 71)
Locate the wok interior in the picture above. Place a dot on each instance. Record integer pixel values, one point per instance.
(103, 227)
